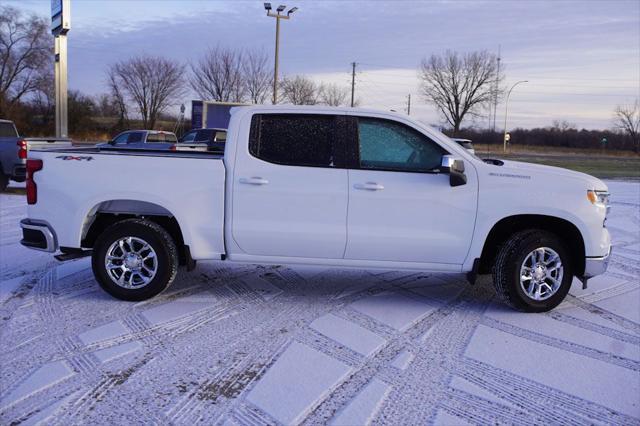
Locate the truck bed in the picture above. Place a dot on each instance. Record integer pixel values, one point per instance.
(76, 184)
(134, 152)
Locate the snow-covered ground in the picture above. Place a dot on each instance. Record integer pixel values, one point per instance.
(255, 345)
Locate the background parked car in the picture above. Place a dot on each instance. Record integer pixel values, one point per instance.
(14, 149)
(213, 138)
(142, 139)
(465, 143)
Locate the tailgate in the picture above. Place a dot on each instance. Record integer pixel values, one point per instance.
(45, 143)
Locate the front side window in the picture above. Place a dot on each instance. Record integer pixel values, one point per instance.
(121, 138)
(293, 139)
(189, 137)
(135, 137)
(389, 145)
(203, 135)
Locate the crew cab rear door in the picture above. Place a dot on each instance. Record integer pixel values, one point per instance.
(289, 191)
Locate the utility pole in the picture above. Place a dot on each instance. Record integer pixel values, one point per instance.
(278, 16)
(495, 99)
(60, 26)
(353, 83)
(409, 104)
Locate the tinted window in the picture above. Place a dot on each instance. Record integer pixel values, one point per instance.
(121, 138)
(293, 139)
(221, 136)
(189, 137)
(161, 137)
(389, 145)
(134, 137)
(7, 130)
(203, 135)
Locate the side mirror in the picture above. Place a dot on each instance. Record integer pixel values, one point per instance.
(455, 169)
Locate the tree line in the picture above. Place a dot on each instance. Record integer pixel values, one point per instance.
(143, 88)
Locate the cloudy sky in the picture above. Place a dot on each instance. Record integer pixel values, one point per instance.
(582, 58)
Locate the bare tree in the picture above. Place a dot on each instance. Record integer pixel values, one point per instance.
(299, 90)
(118, 99)
(627, 119)
(333, 95)
(24, 55)
(459, 85)
(152, 83)
(218, 75)
(562, 126)
(257, 76)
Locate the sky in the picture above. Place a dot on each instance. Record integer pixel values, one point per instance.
(581, 58)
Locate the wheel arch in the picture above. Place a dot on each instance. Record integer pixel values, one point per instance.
(504, 228)
(106, 213)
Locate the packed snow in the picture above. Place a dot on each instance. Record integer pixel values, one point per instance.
(247, 345)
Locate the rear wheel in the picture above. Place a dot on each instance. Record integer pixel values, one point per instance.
(4, 182)
(532, 272)
(134, 259)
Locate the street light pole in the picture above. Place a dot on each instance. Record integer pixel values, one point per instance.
(506, 111)
(278, 16)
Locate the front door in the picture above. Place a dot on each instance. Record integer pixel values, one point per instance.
(400, 208)
(289, 196)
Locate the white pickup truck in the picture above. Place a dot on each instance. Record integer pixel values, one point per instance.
(325, 186)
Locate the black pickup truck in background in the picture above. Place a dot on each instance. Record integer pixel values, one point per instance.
(14, 149)
(213, 138)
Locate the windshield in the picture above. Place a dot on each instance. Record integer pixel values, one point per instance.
(7, 130)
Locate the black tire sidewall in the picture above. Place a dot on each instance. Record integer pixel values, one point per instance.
(525, 247)
(4, 182)
(166, 262)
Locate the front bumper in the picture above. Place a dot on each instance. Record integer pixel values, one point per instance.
(38, 235)
(596, 265)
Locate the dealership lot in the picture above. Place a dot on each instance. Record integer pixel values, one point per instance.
(254, 345)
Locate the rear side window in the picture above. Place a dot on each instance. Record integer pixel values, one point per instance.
(7, 130)
(294, 139)
(161, 137)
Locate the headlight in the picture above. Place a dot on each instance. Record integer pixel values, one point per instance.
(598, 198)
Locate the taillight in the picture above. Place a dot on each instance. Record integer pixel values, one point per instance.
(173, 148)
(22, 149)
(32, 189)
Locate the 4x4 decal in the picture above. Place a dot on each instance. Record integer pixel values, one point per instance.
(73, 157)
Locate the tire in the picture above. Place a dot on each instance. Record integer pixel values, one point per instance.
(521, 251)
(142, 272)
(4, 182)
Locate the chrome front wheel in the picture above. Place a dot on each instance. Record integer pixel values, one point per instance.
(131, 262)
(541, 273)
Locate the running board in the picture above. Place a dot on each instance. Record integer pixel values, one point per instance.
(70, 254)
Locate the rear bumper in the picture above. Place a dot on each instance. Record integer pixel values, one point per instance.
(594, 266)
(19, 173)
(38, 235)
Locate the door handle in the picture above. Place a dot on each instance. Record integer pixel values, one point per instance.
(369, 186)
(254, 181)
